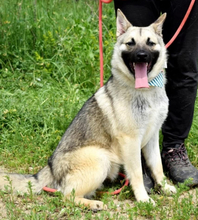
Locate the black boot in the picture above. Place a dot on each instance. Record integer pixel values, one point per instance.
(178, 166)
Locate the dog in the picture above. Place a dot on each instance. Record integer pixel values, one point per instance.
(119, 121)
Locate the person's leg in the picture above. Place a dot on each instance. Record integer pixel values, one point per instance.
(182, 78)
(139, 12)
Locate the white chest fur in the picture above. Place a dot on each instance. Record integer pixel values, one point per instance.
(134, 112)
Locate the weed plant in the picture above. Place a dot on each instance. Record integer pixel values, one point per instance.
(49, 66)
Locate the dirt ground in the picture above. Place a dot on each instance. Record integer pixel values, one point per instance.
(192, 192)
(17, 201)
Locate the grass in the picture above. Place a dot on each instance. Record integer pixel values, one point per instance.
(49, 66)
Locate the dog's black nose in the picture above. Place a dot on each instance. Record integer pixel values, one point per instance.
(141, 56)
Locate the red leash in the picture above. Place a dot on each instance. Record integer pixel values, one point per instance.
(100, 39)
(182, 24)
(101, 67)
(47, 189)
(119, 190)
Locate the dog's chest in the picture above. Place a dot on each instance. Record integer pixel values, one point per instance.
(149, 107)
(144, 111)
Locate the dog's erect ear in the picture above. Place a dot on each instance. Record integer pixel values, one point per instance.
(157, 25)
(122, 23)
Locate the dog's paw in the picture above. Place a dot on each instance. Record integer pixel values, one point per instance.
(97, 206)
(168, 189)
(148, 199)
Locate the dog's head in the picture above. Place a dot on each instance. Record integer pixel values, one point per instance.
(139, 52)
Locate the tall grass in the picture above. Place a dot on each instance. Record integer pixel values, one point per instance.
(45, 38)
(49, 66)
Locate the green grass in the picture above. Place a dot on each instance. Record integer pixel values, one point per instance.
(49, 66)
(49, 63)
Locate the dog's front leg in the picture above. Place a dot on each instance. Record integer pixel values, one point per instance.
(132, 162)
(152, 157)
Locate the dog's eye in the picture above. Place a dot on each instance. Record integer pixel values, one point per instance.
(150, 43)
(131, 43)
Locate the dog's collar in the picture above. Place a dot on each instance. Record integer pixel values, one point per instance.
(158, 81)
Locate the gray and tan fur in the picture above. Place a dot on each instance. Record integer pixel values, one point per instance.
(112, 127)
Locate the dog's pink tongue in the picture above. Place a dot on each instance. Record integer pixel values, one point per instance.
(141, 80)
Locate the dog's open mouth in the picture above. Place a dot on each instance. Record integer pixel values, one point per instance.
(141, 70)
(140, 63)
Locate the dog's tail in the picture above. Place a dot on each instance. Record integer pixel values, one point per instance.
(26, 183)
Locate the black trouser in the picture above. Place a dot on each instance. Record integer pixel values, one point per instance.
(182, 71)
